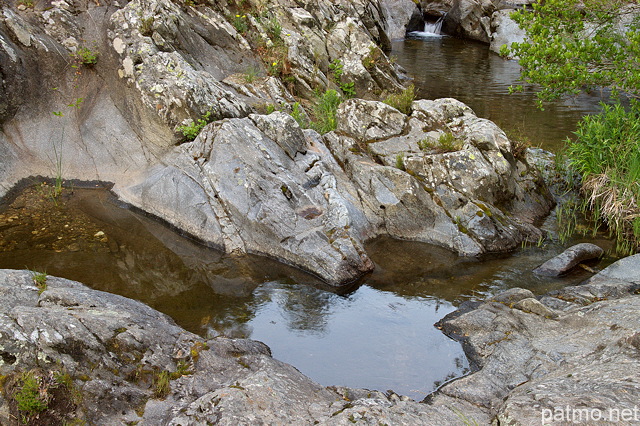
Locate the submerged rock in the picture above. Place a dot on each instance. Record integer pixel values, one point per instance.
(568, 259)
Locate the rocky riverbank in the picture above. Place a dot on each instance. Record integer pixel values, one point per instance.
(116, 82)
(106, 359)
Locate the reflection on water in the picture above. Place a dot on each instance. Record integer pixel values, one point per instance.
(468, 71)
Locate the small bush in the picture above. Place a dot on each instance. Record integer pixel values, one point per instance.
(146, 26)
(191, 131)
(30, 397)
(86, 56)
(402, 101)
(336, 68)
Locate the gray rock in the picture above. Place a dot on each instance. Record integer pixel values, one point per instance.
(470, 19)
(505, 30)
(533, 306)
(585, 357)
(236, 187)
(369, 120)
(512, 296)
(568, 259)
(399, 15)
(436, 8)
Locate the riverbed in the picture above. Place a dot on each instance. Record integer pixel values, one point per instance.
(378, 334)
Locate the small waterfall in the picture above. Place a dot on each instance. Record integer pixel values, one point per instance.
(431, 29)
(434, 27)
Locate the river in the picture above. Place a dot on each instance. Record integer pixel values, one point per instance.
(379, 335)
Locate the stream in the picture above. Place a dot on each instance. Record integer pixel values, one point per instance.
(379, 335)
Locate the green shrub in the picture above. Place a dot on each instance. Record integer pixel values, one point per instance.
(191, 131)
(86, 56)
(29, 397)
(606, 154)
(402, 101)
(240, 23)
(336, 68)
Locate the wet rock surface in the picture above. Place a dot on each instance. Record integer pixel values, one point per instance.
(568, 259)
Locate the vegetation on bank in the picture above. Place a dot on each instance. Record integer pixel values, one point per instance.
(575, 46)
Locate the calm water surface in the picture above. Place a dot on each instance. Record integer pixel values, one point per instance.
(379, 335)
(470, 72)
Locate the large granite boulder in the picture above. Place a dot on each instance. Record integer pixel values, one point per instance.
(261, 184)
(441, 175)
(401, 16)
(504, 30)
(470, 19)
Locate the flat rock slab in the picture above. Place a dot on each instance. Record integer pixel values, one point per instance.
(568, 259)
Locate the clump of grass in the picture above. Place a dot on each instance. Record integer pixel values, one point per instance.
(161, 386)
(606, 154)
(446, 142)
(31, 396)
(40, 280)
(325, 111)
(402, 101)
(400, 161)
(192, 130)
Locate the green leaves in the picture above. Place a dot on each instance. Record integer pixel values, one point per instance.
(575, 46)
